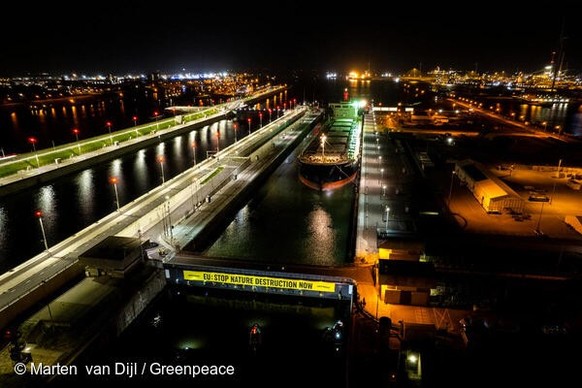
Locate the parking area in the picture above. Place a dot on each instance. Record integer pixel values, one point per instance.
(548, 200)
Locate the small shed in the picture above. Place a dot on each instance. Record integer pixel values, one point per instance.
(114, 256)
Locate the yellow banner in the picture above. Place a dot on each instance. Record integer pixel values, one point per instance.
(259, 281)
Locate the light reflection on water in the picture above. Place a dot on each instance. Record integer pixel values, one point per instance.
(286, 222)
(73, 202)
(85, 183)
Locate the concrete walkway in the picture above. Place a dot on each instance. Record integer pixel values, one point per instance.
(383, 210)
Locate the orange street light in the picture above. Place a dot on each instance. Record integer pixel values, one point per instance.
(38, 214)
(33, 141)
(108, 124)
(161, 161)
(76, 132)
(113, 180)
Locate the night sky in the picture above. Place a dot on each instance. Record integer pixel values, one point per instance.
(130, 36)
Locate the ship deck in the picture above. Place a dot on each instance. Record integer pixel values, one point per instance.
(339, 146)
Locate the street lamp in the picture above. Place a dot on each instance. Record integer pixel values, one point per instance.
(108, 124)
(451, 188)
(157, 123)
(235, 126)
(555, 182)
(33, 141)
(38, 214)
(249, 121)
(270, 110)
(113, 180)
(381, 174)
(323, 138)
(161, 160)
(169, 222)
(76, 132)
(383, 190)
(194, 188)
(135, 125)
(387, 216)
(545, 123)
(538, 231)
(260, 119)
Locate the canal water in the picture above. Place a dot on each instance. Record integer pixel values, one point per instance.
(287, 222)
(195, 327)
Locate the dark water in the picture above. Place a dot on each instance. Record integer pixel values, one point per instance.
(193, 327)
(563, 118)
(286, 221)
(52, 121)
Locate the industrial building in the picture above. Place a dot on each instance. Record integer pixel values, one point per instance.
(491, 193)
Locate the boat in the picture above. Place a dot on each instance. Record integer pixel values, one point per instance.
(332, 158)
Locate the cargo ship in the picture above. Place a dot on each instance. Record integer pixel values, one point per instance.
(332, 158)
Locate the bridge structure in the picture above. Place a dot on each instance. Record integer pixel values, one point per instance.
(244, 276)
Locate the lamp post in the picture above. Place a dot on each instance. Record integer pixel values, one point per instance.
(555, 182)
(135, 125)
(194, 187)
(157, 123)
(249, 121)
(113, 180)
(377, 292)
(451, 188)
(383, 190)
(235, 126)
(169, 215)
(38, 214)
(33, 141)
(538, 231)
(76, 132)
(161, 161)
(108, 124)
(323, 139)
(260, 119)
(387, 217)
(381, 175)
(270, 110)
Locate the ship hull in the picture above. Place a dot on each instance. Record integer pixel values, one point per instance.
(328, 177)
